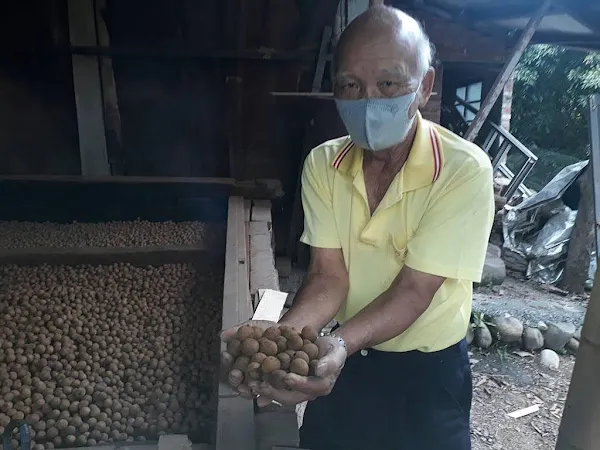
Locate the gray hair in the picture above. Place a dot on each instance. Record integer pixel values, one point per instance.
(393, 19)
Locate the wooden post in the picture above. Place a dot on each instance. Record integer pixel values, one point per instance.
(579, 426)
(88, 90)
(506, 71)
(112, 114)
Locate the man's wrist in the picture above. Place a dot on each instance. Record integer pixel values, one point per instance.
(351, 344)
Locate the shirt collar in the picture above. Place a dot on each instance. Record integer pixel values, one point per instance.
(422, 168)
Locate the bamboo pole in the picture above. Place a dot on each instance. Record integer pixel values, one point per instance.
(579, 428)
(507, 71)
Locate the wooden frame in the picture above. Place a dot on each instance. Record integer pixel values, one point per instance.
(235, 416)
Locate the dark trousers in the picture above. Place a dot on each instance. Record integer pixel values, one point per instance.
(395, 401)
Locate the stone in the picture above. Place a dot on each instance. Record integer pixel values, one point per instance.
(532, 339)
(549, 359)
(573, 345)
(510, 329)
(483, 337)
(577, 334)
(470, 334)
(558, 335)
(542, 326)
(494, 271)
(494, 251)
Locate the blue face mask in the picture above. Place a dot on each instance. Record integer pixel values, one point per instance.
(377, 123)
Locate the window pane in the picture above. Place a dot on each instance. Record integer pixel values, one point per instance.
(461, 110)
(469, 116)
(461, 93)
(474, 92)
(476, 105)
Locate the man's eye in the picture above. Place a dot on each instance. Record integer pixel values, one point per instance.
(389, 84)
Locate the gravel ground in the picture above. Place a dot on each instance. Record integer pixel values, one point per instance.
(530, 302)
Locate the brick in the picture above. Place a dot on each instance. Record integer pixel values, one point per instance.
(261, 211)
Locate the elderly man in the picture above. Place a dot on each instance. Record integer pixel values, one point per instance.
(397, 217)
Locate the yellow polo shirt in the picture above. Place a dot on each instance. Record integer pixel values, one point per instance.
(436, 218)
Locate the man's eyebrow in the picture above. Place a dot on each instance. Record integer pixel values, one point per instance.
(399, 70)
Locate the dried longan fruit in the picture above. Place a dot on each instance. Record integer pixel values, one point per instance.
(310, 333)
(234, 347)
(290, 352)
(281, 344)
(241, 363)
(258, 332)
(311, 350)
(249, 346)
(272, 333)
(295, 342)
(288, 332)
(258, 357)
(299, 366)
(270, 364)
(285, 360)
(302, 355)
(244, 332)
(235, 377)
(277, 377)
(268, 347)
(253, 371)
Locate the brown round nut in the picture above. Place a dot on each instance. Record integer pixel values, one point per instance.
(310, 333)
(311, 350)
(258, 357)
(277, 377)
(285, 360)
(234, 348)
(227, 359)
(302, 355)
(241, 363)
(290, 352)
(288, 332)
(270, 364)
(249, 346)
(253, 371)
(268, 347)
(299, 366)
(244, 332)
(295, 342)
(235, 377)
(281, 344)
(272, 333)
(258, 332)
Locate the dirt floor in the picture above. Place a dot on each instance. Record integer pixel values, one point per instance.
(505, 382)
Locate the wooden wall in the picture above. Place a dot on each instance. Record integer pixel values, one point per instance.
(186, 116)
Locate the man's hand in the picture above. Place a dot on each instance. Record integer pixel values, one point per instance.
(227, 359)
(299, 388)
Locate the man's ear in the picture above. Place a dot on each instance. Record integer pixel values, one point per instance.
(427, 87)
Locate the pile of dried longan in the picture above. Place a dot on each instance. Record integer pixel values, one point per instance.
(93, 354)
(269, 355)
(137, 233)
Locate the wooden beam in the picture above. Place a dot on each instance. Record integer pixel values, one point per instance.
(235, 416)
(150, 255)
(506, 72)
(88, 90)
(112, 115)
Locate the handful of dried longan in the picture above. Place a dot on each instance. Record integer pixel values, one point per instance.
(269, 355)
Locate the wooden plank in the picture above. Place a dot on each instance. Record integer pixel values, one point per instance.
(506, 72)
(595, 160)
(235, 416)
(88, 90)
(151, 255)
(270, 305)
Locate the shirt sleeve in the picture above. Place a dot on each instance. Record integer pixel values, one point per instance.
(452, 238)
(317, 202)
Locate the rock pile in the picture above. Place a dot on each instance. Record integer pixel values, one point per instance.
(552, 337)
